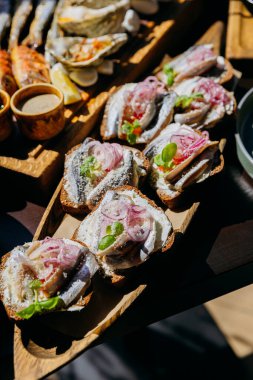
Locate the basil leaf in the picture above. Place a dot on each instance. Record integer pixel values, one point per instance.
(127, 127)
(136, 124)
(169, 152)
(35, 284)
(158, 160)
(38, 307)
(89, 165)
(131, 138)
(106, 241)
(28, 312)
(50, 303)
(170, 74)
(108, 230)
(117, 228)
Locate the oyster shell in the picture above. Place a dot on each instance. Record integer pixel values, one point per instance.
(208, 110)
(92, 20)
(195, 167)
(156, 112)
(80, 52)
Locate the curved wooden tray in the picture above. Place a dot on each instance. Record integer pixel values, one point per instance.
(44, 344)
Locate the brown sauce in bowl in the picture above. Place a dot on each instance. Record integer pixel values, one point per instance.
(39, 104)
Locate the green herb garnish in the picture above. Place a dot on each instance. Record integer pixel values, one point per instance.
(131, 129)
(112, 231)
(165, 159)
(185, 101)
(170, 74)
(39, 306)
(89, 166)
(106, 241)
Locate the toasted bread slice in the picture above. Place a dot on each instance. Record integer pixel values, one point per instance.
(79, 194)
(202, 163)
(24, 264)
(157, 113)
(124, 252)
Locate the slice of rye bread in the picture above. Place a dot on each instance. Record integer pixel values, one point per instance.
(78, 208)
(11, 311)
(174, 201)
(119, 277)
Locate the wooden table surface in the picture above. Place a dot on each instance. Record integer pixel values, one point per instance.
(214, 257)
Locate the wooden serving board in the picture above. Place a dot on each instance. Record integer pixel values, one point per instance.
(240, 32)
(37, 164)
(46, 343)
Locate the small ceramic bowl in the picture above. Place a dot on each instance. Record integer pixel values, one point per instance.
(5, 120)
(41, 125)
(244, 136)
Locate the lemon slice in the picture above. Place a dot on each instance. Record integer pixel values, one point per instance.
(60, 78)
(84, 77)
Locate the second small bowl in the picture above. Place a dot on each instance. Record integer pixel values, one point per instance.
(39, 111)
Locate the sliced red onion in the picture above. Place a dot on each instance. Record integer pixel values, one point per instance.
(115, 210)
(138, 228)
(109, 155)
(213, 92)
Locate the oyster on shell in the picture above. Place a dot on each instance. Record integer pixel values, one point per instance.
(208, 102)
(137, 112)
(196, 159)
(93, 19)
(81, 52)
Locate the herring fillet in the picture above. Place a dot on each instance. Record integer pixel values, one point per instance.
(43, 13)
(5, 17)
(22, 11)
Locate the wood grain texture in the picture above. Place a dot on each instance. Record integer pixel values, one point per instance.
(42, 161)
(240, 32)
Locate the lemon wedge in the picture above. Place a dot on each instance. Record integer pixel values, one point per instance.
(84, 77)
(60, 78)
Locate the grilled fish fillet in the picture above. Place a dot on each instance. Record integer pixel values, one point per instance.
(43, 14)
(22, 11)
(29, 66)
(7, 81)
(5, 17)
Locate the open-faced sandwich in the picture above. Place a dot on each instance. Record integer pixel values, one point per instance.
(47, 275)
(202, 102)
(92, 168)
(197, 60)
(137, 112)
(124, 229)
(179, 157)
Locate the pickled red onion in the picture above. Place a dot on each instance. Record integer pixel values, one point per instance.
(136, 219)
(109, 155)
(213, 92)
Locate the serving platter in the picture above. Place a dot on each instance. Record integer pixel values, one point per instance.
(35, 165)
(239, 33)
(44, 344)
